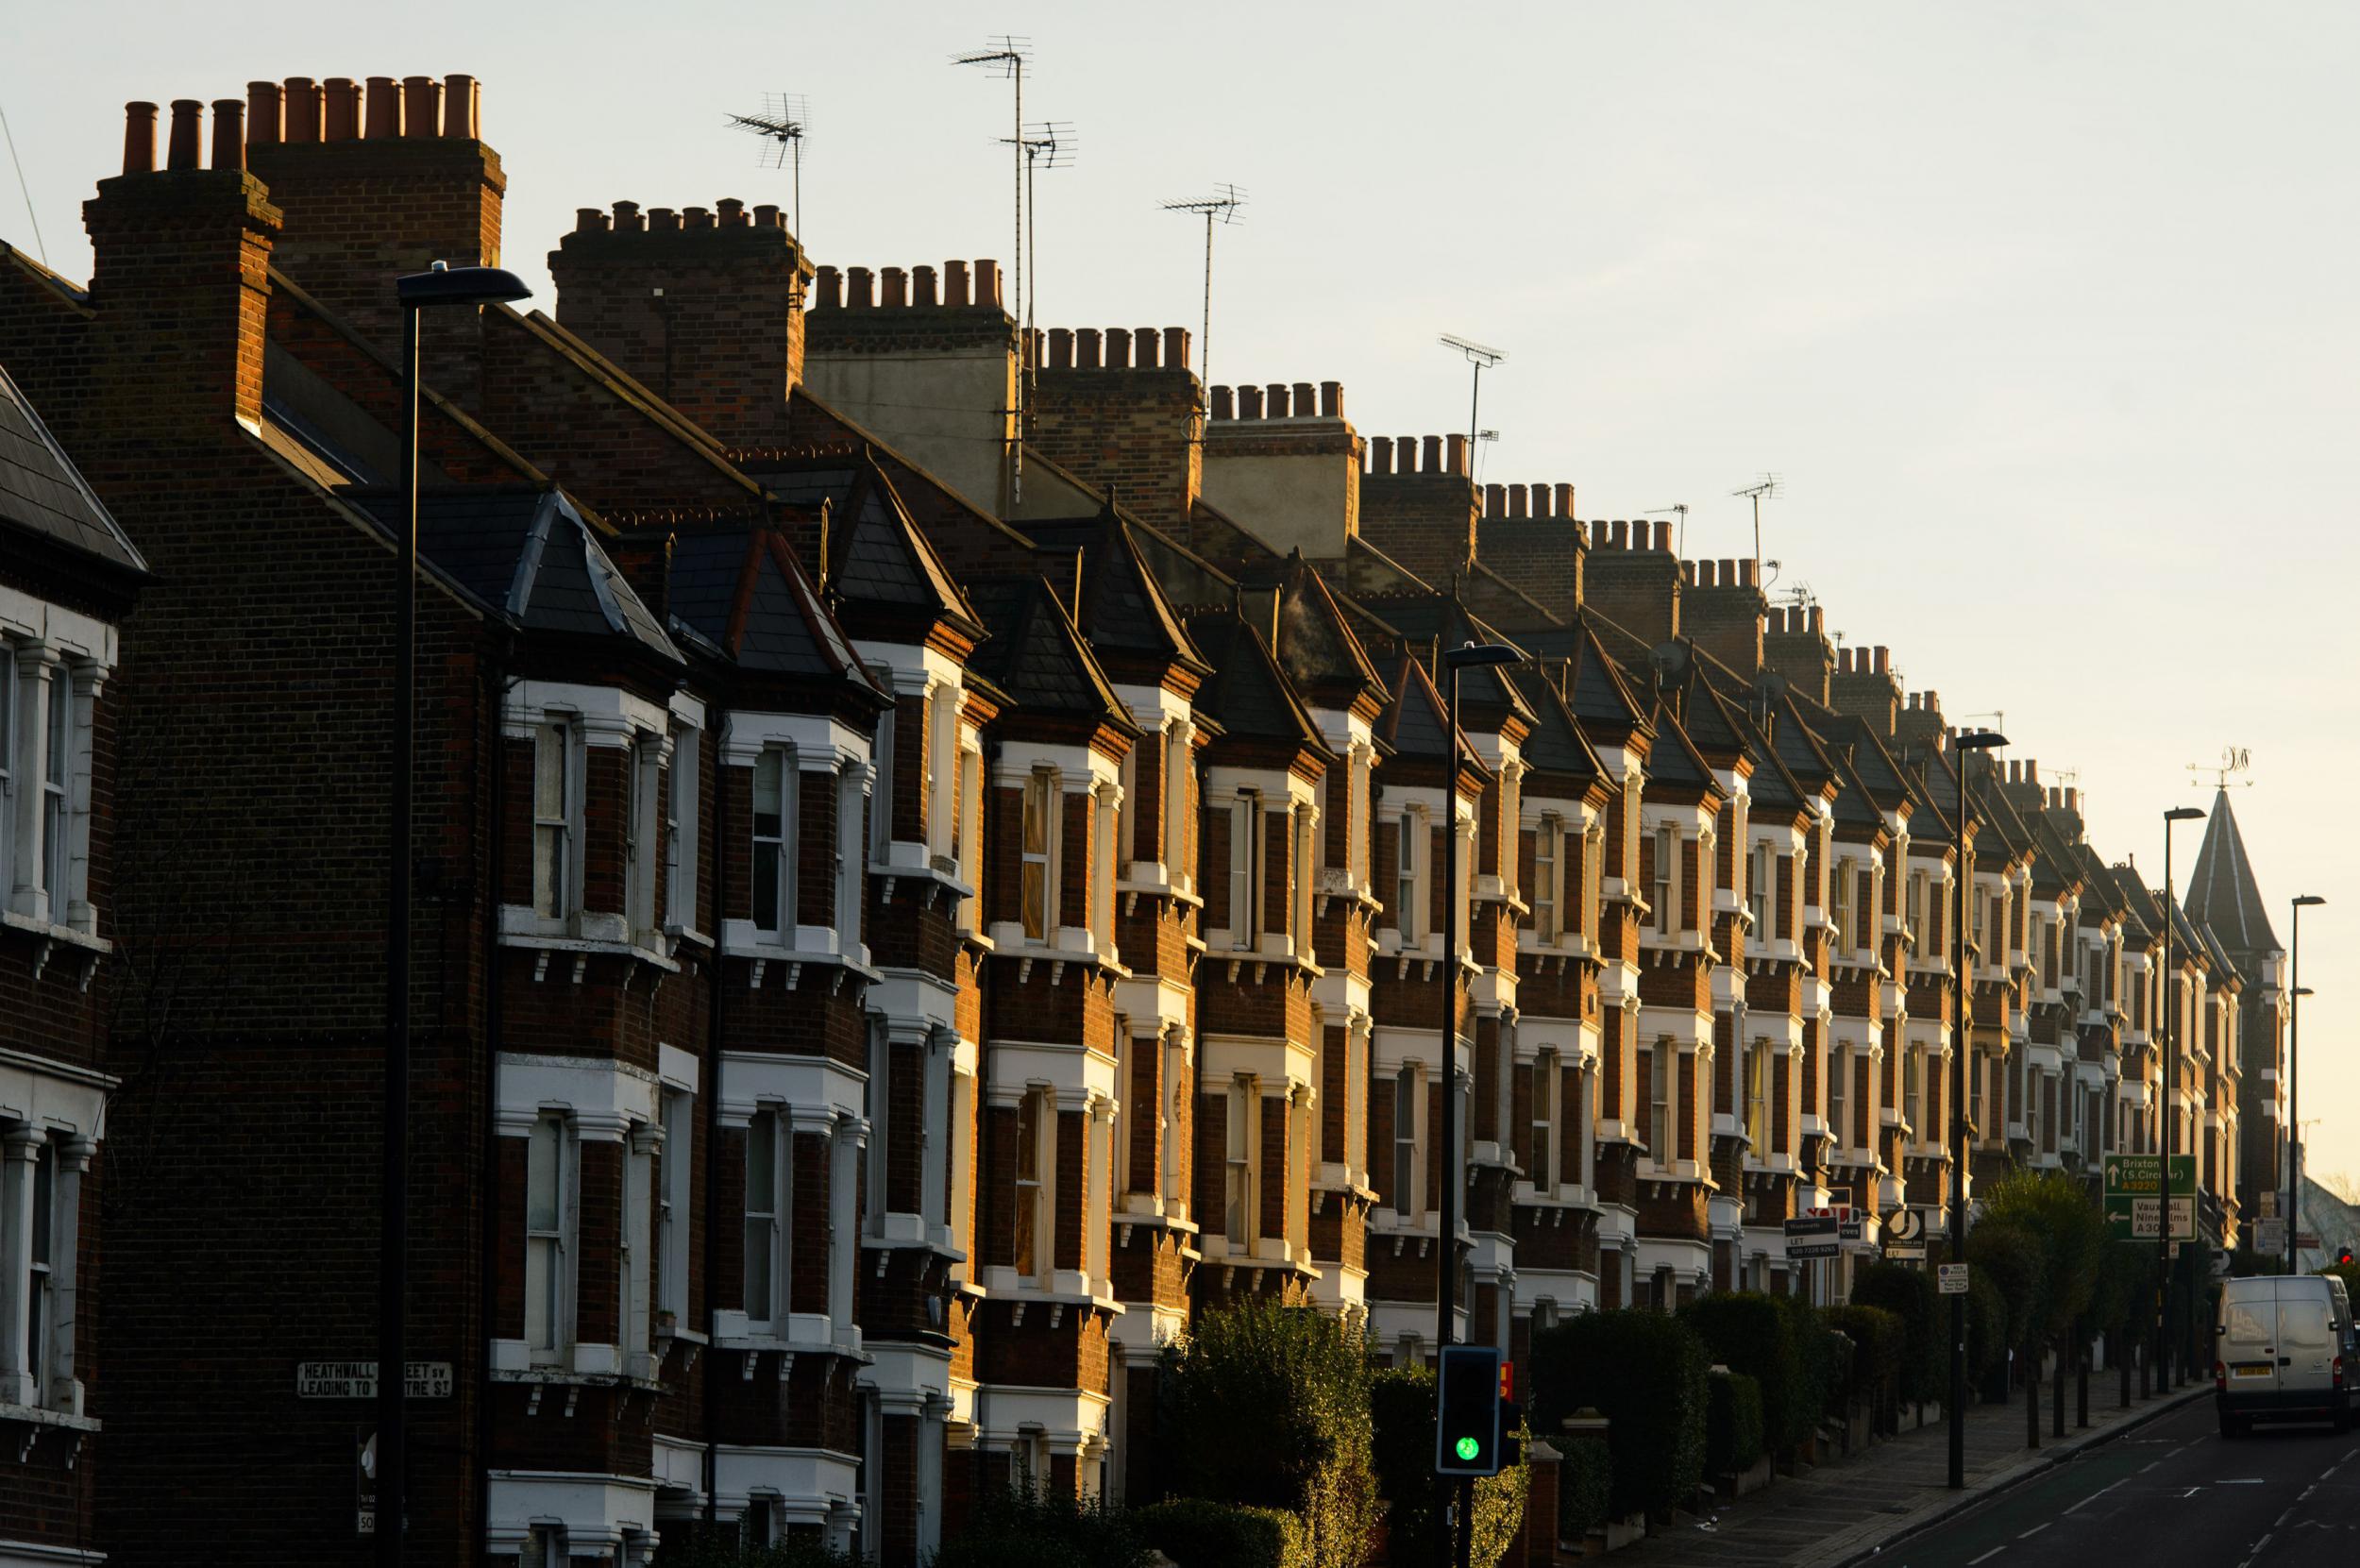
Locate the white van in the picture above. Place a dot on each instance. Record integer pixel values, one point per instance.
(2279, 1349)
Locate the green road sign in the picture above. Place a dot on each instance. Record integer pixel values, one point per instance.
(2134, 1201)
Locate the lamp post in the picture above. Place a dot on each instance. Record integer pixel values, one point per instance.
(420, 290)
(2165, 1123)
(1465, 656)
(1960, 1045)
(2294, 1088)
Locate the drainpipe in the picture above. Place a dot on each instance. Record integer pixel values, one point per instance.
(718, 836)
(495, 686)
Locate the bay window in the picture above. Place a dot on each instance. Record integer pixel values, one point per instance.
(1913, 1092)
(770, 1194)
(1038, 880)
(1540, 1151)
(1757, 884)
(1245, 869)
(1306, 850)
(639, 841)
(1839, 1086)
(672, 1204)
(1408, 1105)
(880, 819)
(1840, 914)
(1545, 841)
(1758, 1097)
(775, 779)
(550, 1210)
(680, 831)
(556, 818)
(55, 796)
(1244, 1138)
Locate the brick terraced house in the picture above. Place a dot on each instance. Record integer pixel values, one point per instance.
(913, 902)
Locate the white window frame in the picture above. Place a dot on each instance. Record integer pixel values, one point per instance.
(1241, 1129)
(642, 761)
(1407, 1193)
(1757, 1090)
(1662, 1104)
(781, 842)
(769, 1131)
(57, 793)
(1409, 875)
(1838, 1093)
(557, 742)
(552, 1233)
(1914, 1092)
(880, 835)
(1545, 1091)
(1548, 901)
(1306, 858)
(1760, 874)
(1033, 1205)
(9, 681)
(677, 1113)
(1040, 799)
(679, 830)
(1246, 850)
(1666, 890)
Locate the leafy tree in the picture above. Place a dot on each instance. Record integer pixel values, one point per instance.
(1747, 1332)
(1909, 1294)
(1268, 1408)
(2055, 1209)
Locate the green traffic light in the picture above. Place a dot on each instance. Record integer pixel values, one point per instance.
(1469, 1448)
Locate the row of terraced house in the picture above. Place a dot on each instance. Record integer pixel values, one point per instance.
(913, 902)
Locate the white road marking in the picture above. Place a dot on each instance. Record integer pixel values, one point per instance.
(2259, 1544)
(2035, 1530)
(2240, 1480)
(2191, 1491)
(1986, 1557)
(2095, 1495)
(2307, 1491)
(2148, 1465)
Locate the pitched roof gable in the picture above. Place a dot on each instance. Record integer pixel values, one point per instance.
(2222, 892)
(43, 495)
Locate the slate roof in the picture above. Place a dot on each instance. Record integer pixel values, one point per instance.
(1416, 723)
(1555, 744)
(1123, 609)
(1035, 654)
(743, 593)
(528, 554)
(2222, 892)
(1440, 618)
(41, 493)
(1247, 695)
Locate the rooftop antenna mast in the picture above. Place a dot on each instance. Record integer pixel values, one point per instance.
(1680, 544)
(1483, 438)
(1221, 206)
(781, 123)
(1483, 358)
(1764, 488)
(2234, 761)
(1047, 144)
(1008, 56)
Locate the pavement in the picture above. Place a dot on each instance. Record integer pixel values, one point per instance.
(1855, 1510)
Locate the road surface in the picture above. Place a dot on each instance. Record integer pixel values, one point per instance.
(2172, 1494)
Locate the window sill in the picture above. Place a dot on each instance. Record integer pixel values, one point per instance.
(35, 1415)
(685, 1335)
(566, 1377)
(51, 932)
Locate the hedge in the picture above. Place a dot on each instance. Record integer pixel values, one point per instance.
(1986, 1327)
(1401, 1404)
(1585, 1486)
(1876, 1340)
(1644, 1372)
(1197, 1532)
(1747, 1332)
(1027, 1528)
(1823, 1360)
(1733, 1423)
(1268, 1407)
(1909, 1294)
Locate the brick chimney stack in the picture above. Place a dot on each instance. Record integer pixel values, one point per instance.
(1796, 644)
(1632, 578)
(375, 182)
(1865, 684)
(180, 276)
(1918, 726)
(1419, 505)
(708, 312)
(1722, 609)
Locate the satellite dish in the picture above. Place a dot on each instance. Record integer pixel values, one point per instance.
(1670, 662)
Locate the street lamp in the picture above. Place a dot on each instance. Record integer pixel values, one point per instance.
(418, 291)
(2294, 1087)
(1961, 1042)
(2167, 1126)
(1465, 656)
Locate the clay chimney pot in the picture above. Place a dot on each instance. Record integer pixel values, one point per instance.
(384, 110)
(1086, 349)
(1249, 402)
(954, 286)
(696, 217)
(182, 151)
(1331, 399)
(422, 106)
(765, 214)
(1225, 404)
(303, 104)
(986, 283)
(860, 289)
(1495, 501)
(1305, 400)
(1144, 343)
(265, 114)
(138, 138)
(827, 289)
(1118, 348)
(1380, 454)
(1175, 348)
(341, 110)
(463, 107)
(1277, 404)
(729, 213)
(923, 288)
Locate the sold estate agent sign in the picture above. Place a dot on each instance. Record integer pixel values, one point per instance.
(358, 1380)
(2134, 1199)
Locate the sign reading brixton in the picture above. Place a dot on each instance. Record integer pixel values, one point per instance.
(358, 1380)
(2134, 1203)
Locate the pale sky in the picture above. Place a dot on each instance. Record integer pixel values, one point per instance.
(2043, 311)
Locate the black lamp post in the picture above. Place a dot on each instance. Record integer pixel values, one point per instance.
(1962, 1044)
(2166, 1124)
(416, 292)
(1465, 656)
(2294, 1089)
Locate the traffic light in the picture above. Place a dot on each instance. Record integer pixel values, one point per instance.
(1467, 1412)
(2343, 1259)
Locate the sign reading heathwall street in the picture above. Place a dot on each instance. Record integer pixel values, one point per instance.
(358, 1380)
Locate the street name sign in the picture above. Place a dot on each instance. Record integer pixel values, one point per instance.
(2134, 1197)
(358, 1380)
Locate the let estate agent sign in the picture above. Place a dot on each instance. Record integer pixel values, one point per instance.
(358, 1380)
